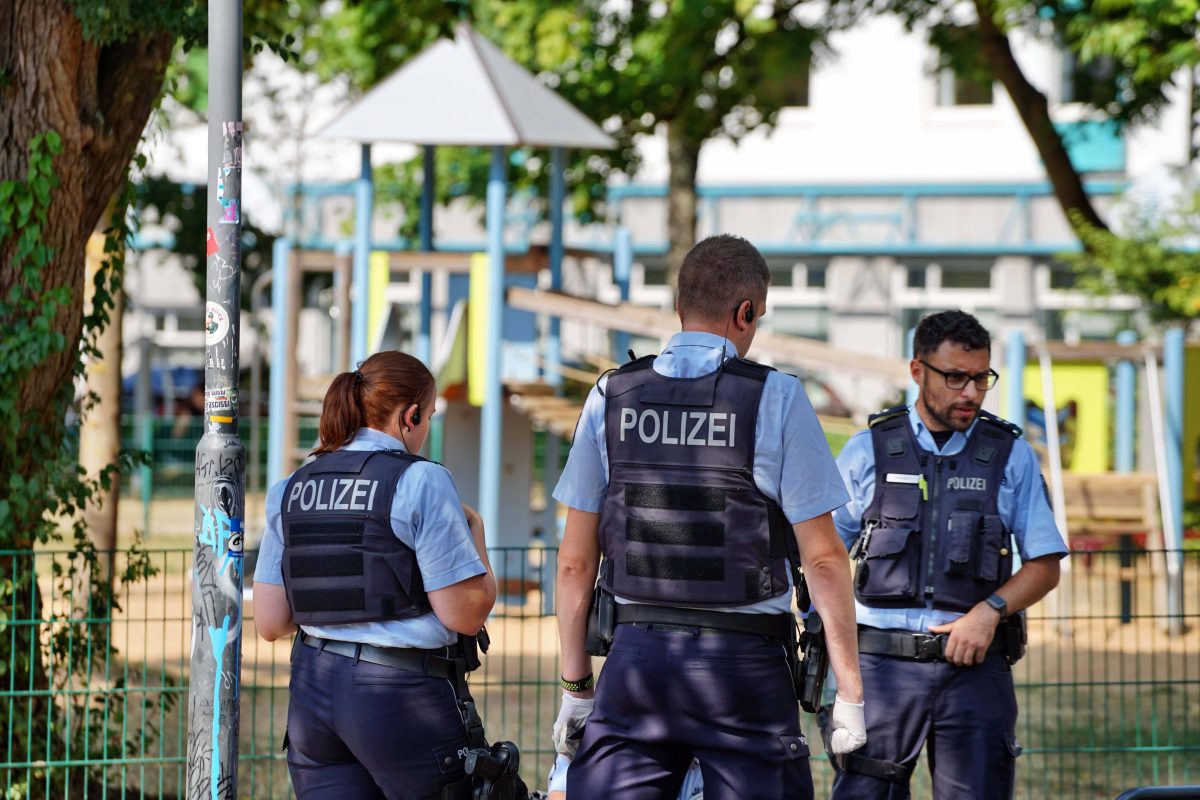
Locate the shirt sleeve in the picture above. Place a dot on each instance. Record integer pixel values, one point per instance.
(584, 479)
(427, 500)
(809, 482)
(856, 463)
(269, 567)
(1027, 512)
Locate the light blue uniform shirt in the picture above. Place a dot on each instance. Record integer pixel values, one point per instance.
(427, 516)
(792, 462)
(1022, 506)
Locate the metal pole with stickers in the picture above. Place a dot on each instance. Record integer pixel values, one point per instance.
(217, 572)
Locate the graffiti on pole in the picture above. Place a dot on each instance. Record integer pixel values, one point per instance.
(217, 569)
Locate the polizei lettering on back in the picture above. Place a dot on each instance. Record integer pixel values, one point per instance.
(690, 428)
(333, 494)
(973, 484)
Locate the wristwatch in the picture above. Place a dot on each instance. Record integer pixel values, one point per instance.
(999, 603)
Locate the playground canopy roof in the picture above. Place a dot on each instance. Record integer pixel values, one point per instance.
(466, 92)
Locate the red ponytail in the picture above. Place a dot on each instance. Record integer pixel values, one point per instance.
(369, 398)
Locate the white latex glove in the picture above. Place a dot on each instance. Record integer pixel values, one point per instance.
(571, 716)
(849, 727)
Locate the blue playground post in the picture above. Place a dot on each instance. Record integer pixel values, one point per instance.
(912, 390)
(1014, 378)
(1126, 421)
(1126, 434)
(364, 192)
(280, 258)
(1173, 363)
(622, 268)
(424, 333)
(557, 196)
(490, 428)
(552, 374)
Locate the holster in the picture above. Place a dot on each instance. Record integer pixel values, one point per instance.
(602, 622)
(1016, 636)
(811, 664)
(495, 772)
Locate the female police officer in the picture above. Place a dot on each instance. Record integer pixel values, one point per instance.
(369, 551)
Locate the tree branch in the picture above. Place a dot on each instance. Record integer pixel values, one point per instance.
(1035, 115)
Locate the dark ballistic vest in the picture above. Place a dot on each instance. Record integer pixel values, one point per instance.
(933, 532)
(683, 522)
(341, 560)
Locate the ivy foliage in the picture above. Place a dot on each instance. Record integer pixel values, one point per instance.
(37, 505)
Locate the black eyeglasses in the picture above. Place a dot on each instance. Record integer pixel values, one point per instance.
(956, 380)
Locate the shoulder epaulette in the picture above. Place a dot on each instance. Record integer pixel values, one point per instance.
(886, 414)
(637, 364)
(1002, 424)
(747, 368)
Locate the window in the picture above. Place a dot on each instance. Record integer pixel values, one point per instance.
(1062, 276)
(811, 323)
(915, 276)
(955, 89)
(817, 276)
(962, 77)
(966, 275)
(1088, 81)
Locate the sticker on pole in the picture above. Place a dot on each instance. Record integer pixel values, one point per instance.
(220, 401)
(216, 323)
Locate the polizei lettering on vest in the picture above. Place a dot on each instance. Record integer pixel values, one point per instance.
(333, 494)
(691, 428)
(973, 484)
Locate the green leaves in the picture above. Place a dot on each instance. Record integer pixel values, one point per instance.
(1154, 259)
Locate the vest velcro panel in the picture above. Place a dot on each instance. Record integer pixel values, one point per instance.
(326, 566)
(332, 600)
(675, 568)
(326, 533)
(703, 534)
(677, 498)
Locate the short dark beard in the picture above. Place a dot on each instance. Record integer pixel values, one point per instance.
(947, 421)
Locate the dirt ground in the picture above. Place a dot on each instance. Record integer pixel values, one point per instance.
(1105, 706)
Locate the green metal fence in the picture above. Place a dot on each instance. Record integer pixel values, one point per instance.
(1105, 704)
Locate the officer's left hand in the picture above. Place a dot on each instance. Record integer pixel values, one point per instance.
(970, 635)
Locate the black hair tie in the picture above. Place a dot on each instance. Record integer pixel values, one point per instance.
(358, 378)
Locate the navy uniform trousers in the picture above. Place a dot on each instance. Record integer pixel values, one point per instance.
(966, 715)
(667, 694)
(358, 730)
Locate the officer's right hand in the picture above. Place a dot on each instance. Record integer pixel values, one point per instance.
(848, 725)
(571, 717)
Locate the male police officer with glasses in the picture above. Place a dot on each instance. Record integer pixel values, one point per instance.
(939, 492)
(695, 474)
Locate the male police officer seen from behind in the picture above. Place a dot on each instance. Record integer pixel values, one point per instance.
(369, 549)
(689, 472)
(938, 492)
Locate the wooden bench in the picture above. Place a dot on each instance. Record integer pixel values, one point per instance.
(1104, 506)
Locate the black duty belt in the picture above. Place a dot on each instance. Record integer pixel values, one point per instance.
(914, 646)
(428, 662)
(776, 626)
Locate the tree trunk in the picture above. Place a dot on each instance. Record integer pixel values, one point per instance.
(100, 438)
(683, 157)
(1035, 114)
(98, 98)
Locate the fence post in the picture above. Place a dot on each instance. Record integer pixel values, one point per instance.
(215, 675)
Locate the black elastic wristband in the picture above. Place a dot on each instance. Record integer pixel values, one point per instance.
(581, 685)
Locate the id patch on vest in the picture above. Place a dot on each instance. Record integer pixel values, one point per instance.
(967, 484)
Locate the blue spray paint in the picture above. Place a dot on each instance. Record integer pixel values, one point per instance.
(218, 637)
